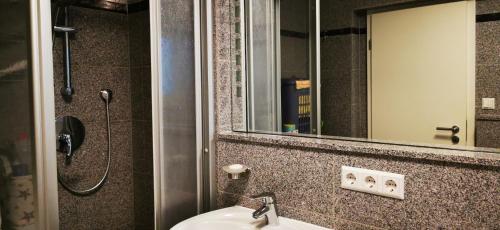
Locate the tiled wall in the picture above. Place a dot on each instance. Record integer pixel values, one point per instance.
(344, 114)
(238, 99)
(99, 60)
(307, 186)
(108, 52)
(488, 74)
(142, 145)
(294, 19)
(439, 193)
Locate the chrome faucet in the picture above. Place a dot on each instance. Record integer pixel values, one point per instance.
(268, 208)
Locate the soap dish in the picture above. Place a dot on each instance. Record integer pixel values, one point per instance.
(235, 171)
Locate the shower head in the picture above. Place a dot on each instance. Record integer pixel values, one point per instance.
(106, 95)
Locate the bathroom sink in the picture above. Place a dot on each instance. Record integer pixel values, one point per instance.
(237, 217)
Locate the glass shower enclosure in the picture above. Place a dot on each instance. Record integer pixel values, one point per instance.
(16, 118)
(176, 66)
(26, 201)
(282, 50)
(28, 166)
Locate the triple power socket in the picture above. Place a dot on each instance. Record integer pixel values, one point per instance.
(374, 182)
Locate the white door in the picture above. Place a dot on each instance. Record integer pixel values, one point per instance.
(422, 63)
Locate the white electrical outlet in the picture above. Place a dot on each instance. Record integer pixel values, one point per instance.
(374, 182)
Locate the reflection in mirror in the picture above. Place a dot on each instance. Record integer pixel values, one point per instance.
(417, 72)
(279, 66)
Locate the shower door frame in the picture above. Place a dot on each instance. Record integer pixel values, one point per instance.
(206, 191)
(44, 115)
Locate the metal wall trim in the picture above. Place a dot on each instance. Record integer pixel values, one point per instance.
(154, 19)
(44, 115)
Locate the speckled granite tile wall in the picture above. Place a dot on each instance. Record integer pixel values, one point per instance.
(142, 147)
(110, 50)
(438, 194)
(294, 50)
(99, 60)
(343, 65)
(238, 89)
(336, 84)
(488, 76)
(441, 185)
(222, 65)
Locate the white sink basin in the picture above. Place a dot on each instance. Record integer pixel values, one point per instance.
(237, 217)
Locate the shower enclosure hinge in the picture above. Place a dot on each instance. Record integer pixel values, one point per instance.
(370, 44)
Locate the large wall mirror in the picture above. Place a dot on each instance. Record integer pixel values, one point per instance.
(403, 72)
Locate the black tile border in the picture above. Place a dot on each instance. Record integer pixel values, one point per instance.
(326, 33)
(343, 31)
(488, 17)
(353, 30)
(103, 5)
(114, 6)
(138, 6)
(294, 34)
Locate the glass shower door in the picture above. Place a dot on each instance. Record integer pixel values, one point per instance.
(282, 50)
(263, 65)
(18, 204)
(176, 111)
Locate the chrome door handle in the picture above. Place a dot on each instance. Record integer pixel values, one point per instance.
(454, 129)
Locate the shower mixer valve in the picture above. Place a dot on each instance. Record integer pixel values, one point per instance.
(65, 146)
(71, 134)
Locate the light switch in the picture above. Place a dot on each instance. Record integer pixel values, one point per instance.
(488, 103)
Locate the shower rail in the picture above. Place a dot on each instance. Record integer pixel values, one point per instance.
(67, 90)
